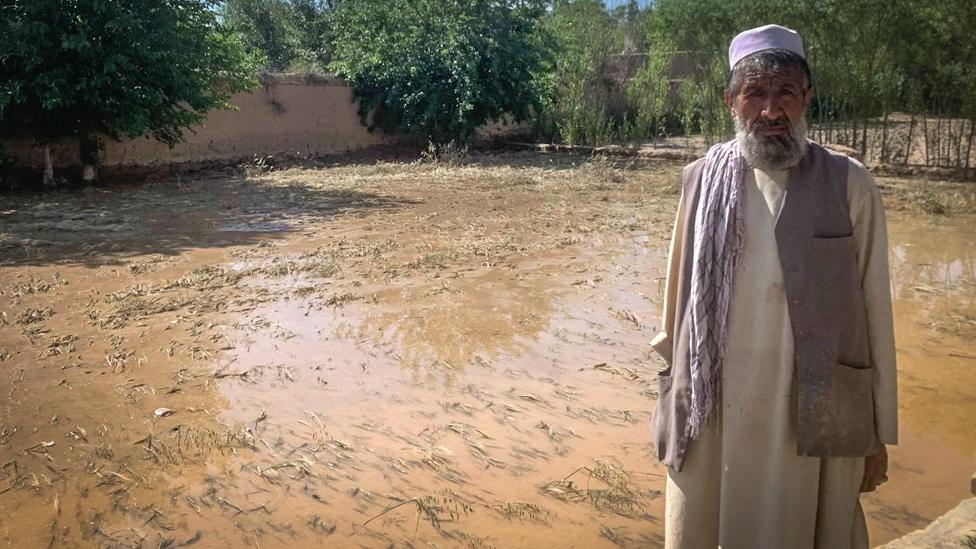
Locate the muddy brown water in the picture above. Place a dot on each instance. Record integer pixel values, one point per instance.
(392, 354)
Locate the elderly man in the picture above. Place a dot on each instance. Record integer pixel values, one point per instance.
(780, 391)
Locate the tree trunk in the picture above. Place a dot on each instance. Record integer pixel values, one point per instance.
(88, 173)
(969, 143)
(938, 132)
(820, 116)
(949, 143)
(962, 131)
(926, 142)
(911, 137)
(864, 139)
(884, 138)
(48, 180)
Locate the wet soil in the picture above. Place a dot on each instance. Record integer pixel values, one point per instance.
(395, 353)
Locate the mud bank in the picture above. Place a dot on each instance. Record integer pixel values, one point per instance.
(957, 528)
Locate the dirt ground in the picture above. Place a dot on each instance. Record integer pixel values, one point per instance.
(396, 353)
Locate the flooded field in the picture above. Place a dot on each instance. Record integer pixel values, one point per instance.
(397, 354)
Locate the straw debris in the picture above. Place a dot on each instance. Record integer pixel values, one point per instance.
(615, 489)
(435, 508)
(30, 316)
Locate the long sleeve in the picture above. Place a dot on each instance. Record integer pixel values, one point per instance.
(663, 342)
(870, 235)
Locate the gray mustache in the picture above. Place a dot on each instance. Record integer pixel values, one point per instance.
(767, 124)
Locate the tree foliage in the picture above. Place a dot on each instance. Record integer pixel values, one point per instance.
(438, 69)
(870, 58)
(114, 67)
(291, 34)
(582, 38)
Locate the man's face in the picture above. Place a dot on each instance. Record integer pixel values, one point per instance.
(769, 109)
(770, 102)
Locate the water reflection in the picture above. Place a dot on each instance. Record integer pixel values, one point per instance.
(932, 258)
(464, 320)
(934, 281)
(933, 275)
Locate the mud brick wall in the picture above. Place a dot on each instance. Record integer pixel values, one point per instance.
(286, 114)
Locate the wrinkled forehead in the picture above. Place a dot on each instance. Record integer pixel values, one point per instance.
(779, 76)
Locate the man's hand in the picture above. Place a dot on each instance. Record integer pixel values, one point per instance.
(875, 470)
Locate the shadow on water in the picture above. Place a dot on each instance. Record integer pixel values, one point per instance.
(106, 225)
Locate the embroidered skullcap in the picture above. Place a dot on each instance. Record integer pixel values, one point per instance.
(767, 37)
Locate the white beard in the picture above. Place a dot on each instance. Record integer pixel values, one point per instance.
(771, 153)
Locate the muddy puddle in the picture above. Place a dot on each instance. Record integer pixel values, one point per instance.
(933, 267)
(391, 355)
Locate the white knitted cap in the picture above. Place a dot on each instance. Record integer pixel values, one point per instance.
(767, 37)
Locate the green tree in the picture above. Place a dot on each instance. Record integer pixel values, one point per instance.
(583, 36)
(438, 69)
(312, 31)
(292, 35)
(681, 85)
(114, 68)
(872, 60)
(266, 26)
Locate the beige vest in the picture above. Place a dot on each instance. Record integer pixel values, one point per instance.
(833, 409)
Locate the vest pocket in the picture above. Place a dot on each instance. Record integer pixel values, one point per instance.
(663, 420)
(663, 383)
(839, 240)
(833, 237)
(852, 402)
(835, 417)
(835, 300)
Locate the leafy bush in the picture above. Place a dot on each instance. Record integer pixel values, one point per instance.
(115, 68)
(582, 37)
(438, 69)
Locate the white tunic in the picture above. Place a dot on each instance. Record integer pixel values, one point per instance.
(743, 484)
